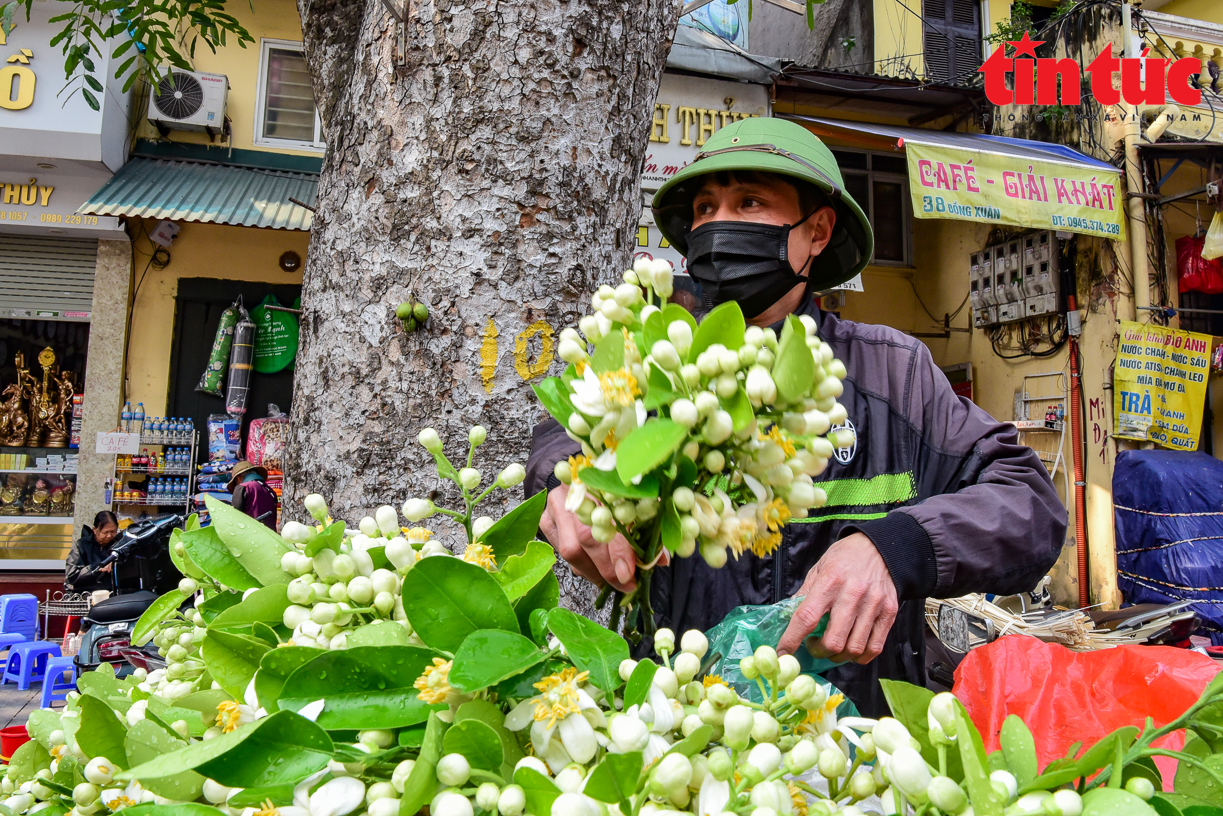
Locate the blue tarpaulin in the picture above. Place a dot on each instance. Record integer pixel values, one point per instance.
(1169, 515)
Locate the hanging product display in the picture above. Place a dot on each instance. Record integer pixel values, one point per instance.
(276, 337)
(1194, 272)
(241, 355)
(210, 380)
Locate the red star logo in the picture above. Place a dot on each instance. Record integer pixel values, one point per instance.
(1025, 46)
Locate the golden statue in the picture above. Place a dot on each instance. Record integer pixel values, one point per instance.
(59, 424)
(13, 423)
(42, 406)
(61, 500)
(39, 503)
(10, 495)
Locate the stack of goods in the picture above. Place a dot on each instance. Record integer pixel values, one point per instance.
(212, 481)
(78, 416)
(265, 446)
(14, 461)
(276, 481)
(224, 441)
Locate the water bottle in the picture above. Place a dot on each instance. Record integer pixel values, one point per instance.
(161, 429)
(125, 418)
(138, 419)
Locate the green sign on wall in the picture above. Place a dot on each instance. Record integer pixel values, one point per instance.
(276, 338)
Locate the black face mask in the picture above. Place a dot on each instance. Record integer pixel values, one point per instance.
(744, 262)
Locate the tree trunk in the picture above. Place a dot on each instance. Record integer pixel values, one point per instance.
(494, 176)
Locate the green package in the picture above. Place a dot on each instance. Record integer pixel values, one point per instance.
(218, 358)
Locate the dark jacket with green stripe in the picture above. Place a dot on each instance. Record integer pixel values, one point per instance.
(947, 494)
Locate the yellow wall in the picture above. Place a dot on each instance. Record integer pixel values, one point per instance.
(271, 19)
(1209, 10)
(199, 251)
(898, 33)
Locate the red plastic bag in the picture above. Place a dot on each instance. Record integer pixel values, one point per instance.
(1195, 273)
(1067, 697)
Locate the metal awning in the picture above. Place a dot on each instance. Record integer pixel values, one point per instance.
(207, 193)
(704, 53)
(995, 179)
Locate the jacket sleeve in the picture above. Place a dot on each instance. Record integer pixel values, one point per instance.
(75, 568)
(549, 445)
(993, 521)
(238, 498)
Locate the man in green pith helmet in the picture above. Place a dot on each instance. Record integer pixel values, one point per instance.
(935, 498)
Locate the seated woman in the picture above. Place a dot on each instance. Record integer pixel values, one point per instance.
(83, 571)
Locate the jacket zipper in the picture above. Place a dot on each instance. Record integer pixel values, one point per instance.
(779, 565)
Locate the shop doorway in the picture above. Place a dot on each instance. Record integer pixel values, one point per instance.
(200, 302)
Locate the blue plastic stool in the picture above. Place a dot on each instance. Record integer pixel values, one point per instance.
(27, 662)
(54, 686)
(19, 615)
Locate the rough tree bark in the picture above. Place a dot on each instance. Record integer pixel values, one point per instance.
(495, 176)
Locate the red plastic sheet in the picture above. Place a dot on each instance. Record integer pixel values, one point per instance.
(1067, 697)
(1195, 273)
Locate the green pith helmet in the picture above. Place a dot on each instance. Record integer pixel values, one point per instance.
(772, 146)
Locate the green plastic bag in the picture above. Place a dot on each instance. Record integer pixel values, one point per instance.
(218, 358)
(748, 627)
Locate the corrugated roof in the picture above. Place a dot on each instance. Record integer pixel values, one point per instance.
(207, 193)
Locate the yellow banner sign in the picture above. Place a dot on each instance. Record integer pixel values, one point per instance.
(1159, 385)
(973, 185)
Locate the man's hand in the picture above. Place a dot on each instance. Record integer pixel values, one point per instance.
(106, 569)
(612, 563)
(852, 582)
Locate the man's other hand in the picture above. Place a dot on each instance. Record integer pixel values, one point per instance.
(851, 581)
(612, 563)
(106, 569)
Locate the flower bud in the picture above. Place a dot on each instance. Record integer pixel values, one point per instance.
(601, 516)
(765, 758)
(737, 727)
(714, 555)
(666, 355)
(837, 369)
(628, 733)
(764, 727)
(512, 475)
(686, 667)
(188, 586)
(323, 613)
(449, 803)
(664, 277)
(891, 735)
(316, 506)
(399, 777)
(694, 642)
(511, 801)
(1065, 803)
(400, 553)
(715, 461)
(100, 771)
(672, 774)
(707, 363)
(709, 713)
(1008, 782)
(360, 590)
(388, 520)
(801, 688)
(415, 510)
(721, 696)
(626, 668)
(748, 668)
(297, 533)
(766, 662)
(760, 386)
(429, 439)
(908, 772)
(294, 616)
(788, 669)
(469, 478)
(942, 712)
(481, 525)
(690, 374)
(680, 335)
(946, 795)
(726, 385)
(477, 435)
(664, 642)
(861, 786)
(486, 796)
(627, 294)
(684, 412)
(453, 770)
(766, 797)
(85, 794)
(802, 757)
(832, 763)
(666, 681)
(1140, 786)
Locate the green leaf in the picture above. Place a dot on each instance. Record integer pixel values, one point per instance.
(672, 535)
(378, 633)
(256, 547)
(540, 791)
(489, 656)
(1019, 748)
(794, 366)
(648, 447)
(591, 647)
(265, 605)
(972, 757)
(909, 704)
(477, 742)
(655, 329)
(609, 354)
(615, 779)
(183, 562)
(217, 604)
(521, 572)
(102, 684)
(1057, 773)
(280, 795)
(29, 758)
(606, 481)
(280, 749)
(1163, 807)
(447, 599)
(638, 687)
(329, 539)
(422, 782)
(511, 533)
(232, 659)
(660, 390)
(723, 325)
(694, 743)
(364, 687)
(90, 99)
(275, 668)
(147, 741)
(210, 555)
(554, 397)
(1145, 768)
(177, 809)
(1192, 780)
(1102, 753)
(492, 716)
(40, 725)
(543, 597)
(102, 733)
(1113, 802)
(160, 609)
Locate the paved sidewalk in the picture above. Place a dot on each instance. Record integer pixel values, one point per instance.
(15, 706)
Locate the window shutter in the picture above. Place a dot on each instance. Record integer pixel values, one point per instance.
(951, 39)
(49, 278)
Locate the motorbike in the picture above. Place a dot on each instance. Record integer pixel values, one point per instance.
(143, 571)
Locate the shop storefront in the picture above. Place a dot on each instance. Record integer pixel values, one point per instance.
(58, 367)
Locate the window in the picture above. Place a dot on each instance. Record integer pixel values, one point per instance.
(285, 115)
(880, 185)
(951, 39)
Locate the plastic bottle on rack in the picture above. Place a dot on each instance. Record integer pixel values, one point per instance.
(125, 418)
(138, 419)
(190, 430)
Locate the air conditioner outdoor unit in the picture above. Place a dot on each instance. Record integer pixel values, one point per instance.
(186, 100)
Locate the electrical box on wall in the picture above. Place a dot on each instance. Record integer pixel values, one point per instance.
(1015, 280)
